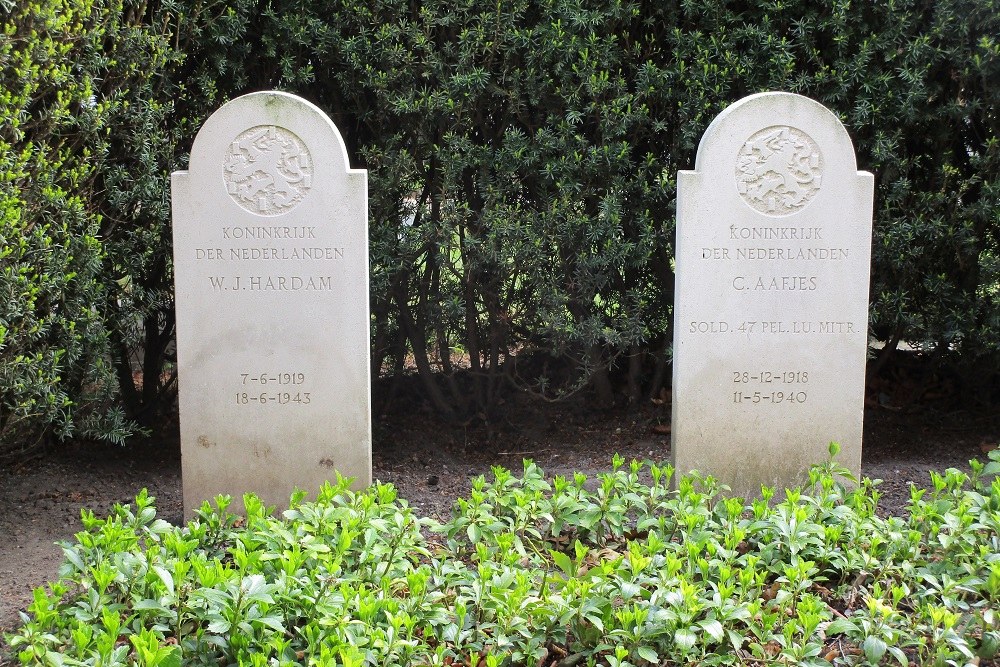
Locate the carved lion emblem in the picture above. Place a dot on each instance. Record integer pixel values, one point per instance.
(779, 170)
(267, 170)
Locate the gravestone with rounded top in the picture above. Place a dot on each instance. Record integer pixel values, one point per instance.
(771, 306)
(270, 232)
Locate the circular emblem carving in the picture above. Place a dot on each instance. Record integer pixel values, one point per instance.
(267, 170)
(779, 170)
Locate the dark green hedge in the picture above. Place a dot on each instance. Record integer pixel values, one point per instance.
(54, 347)
(99, 99)
(540, 143)
(522, 161)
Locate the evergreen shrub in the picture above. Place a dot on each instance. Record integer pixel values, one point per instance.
(55, 373)
(101, 99)
(522, 160)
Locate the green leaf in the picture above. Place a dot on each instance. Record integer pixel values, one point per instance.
(590, 518)
(842, 626)
(685, 638)
(219, 626)
(629, 590)
(272, 622)
(648, 654)
(596, 620)
(74, 557)
(563, 562)
(713, 628)
(165, 577)
(147, 604)
(171, 657)
(899, 655)
(255, 587)
(874, 648)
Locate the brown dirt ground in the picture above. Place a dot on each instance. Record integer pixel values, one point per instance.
(431, 465)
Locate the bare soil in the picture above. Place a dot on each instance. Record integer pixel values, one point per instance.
(431, 465)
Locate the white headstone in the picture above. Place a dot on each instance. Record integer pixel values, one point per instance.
(270, 231)
(771, 305)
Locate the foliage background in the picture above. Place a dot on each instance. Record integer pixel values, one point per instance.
(522, 161)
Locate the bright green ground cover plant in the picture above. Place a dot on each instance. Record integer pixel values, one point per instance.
(615, 571)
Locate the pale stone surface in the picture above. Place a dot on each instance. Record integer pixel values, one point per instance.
(271, 274)
(771, 307)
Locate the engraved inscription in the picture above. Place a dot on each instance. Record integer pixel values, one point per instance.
(779, 170)
(768, 377)
(273, 388)
(806, 278)
(290, 254)
(776, 254)
(271, 283)
(273, 378)
(776, 283)
(772, 397)
(278, 398)
(769, 395)
(775, 233)
(749, 328)
(267, 170)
